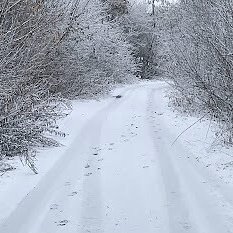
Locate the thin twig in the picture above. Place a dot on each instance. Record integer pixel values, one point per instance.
(188, 128)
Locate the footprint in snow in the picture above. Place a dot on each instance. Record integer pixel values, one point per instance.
(186, 225)
(62, 222)
(88, 174)
(73, 194)
(87, 166)
(96, 149)
(54, 207)
(67, 183)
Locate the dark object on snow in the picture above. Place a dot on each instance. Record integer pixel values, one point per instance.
(87, 166)
(118, 96)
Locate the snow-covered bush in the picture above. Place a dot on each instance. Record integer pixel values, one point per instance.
(27, 61)
(199, 48)
(52, 51)
(101, 55)
(138, 26)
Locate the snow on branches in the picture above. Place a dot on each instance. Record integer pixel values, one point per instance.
(50, 53)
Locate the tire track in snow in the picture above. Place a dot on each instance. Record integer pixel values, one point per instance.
(33, 211)
(92, 206)
(177, 210)
(192, 204)
(68, 201)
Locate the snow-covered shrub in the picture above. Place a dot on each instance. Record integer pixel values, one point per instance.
(52, 51)
(27, 109)
(198, 36)
(99, 55)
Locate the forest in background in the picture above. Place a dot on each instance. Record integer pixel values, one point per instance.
(53, 51)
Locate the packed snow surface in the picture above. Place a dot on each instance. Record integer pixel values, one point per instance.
(119, 172)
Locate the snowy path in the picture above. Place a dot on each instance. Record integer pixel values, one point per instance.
(122, 175)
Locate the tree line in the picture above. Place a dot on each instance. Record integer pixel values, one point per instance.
(54, 51)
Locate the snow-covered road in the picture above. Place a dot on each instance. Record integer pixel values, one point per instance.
(121, 174)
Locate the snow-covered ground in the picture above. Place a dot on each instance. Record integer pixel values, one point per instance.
(119, 172)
